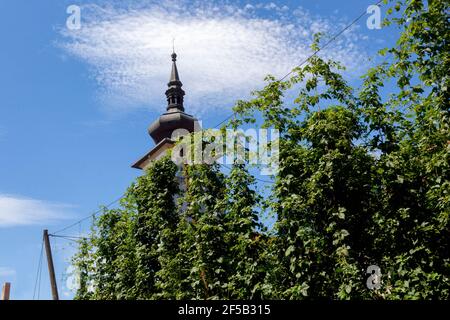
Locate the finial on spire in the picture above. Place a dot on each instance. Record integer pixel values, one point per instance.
(175, 93)
(174, 55)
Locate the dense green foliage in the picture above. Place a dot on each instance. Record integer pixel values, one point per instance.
(364, 180)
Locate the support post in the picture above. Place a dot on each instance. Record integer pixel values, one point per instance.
(51, 268)
(6, 290)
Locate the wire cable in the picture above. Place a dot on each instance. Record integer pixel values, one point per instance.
(227, 118)
(330, 41)
(333, 38)
(66, 236)
(39, 285)
(88, 217)
(261, 180)
(39, 270)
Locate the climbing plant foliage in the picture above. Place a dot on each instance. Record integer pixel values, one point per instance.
(364, 180)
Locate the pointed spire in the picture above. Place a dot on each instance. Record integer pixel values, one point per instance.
(175, 93)
(174, 77)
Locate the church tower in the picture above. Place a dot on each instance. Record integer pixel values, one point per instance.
(174, 118)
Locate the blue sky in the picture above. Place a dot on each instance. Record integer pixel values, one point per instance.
(75, 105)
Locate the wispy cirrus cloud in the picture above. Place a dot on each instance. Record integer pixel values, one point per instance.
(21, 211)
(224, 50)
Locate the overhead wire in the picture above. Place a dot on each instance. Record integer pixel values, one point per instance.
(92, 215)
(333, 38)
(39, 271)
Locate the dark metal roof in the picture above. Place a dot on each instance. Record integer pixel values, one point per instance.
(175, 117)
(174, 77)
(175, 94)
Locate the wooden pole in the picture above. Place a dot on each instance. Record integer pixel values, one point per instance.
(6, 290)
(51, 268)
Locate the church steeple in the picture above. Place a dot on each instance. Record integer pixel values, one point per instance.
(162, 129)
(174, 94)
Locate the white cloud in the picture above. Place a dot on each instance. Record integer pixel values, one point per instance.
(7, 272)
(224, 51)
(21, 211)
